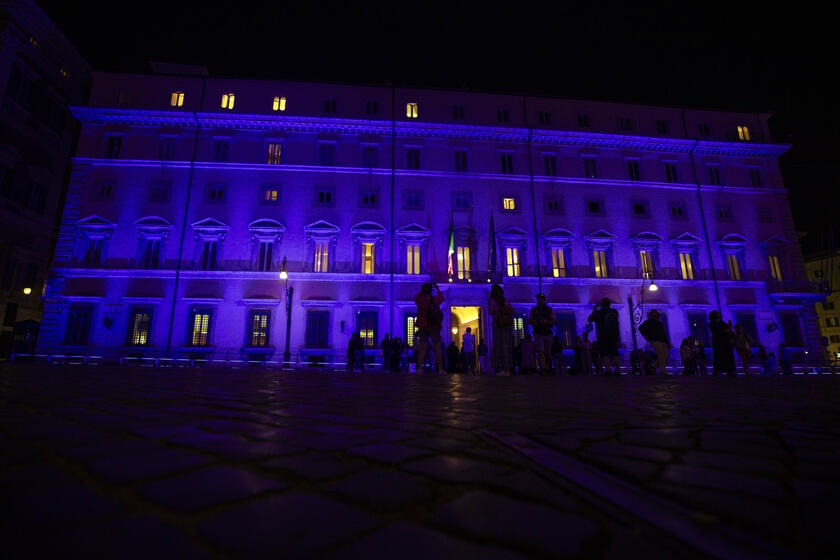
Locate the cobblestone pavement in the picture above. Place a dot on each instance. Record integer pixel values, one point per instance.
(140, 463)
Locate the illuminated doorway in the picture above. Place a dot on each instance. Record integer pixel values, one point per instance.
(463, 317)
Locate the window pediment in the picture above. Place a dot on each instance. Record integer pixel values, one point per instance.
(686, 240)
(211, 228)
(96, 226)
(512, 236)
(153, 227)
(557, 237)
(321, 227)
(266, 228)
(646, 241)
(600, 240)
(775, 241)
(732, 240)
(413, 233)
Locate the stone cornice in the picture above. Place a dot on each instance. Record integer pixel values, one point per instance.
(137, 117)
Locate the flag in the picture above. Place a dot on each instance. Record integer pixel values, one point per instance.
(492, 266)
(450, 256)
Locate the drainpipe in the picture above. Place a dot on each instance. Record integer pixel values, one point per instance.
(533, 195)
(184, 221)
(702, 213)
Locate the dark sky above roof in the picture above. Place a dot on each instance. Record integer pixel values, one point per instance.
(740, 55)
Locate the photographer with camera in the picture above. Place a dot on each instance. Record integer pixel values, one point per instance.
(429, 322)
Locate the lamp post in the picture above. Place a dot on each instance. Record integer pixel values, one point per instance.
(284, 276)
(636, 317)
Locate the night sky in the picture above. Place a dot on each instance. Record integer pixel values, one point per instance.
(741, 56)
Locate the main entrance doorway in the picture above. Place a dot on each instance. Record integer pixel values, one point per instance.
(463, 317)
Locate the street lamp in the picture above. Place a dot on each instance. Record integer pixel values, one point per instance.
(284, 276)
(637, 316)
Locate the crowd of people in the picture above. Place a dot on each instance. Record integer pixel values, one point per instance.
(543, 352)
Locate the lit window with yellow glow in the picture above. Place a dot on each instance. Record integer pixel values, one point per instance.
(775, 269)
(462, 256)
(322, 256)
(275, 151)
(646, 259)
(733, 266)
(368, 265)
(411, 110)
(509, 204)
(63, 72)
(743, 133)
(259, 329)
(279, 104)
(512, 257)
(34, 41)
(140, 328)
(227, 100)
(412, 260)
(686, 268)
(558, 263)
(200, 328)
(599, 258)
(176, 99)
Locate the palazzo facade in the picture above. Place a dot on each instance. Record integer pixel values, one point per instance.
(190, 194)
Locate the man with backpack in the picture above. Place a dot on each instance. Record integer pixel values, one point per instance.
(429, 322)
(542, 318)
(606, 330)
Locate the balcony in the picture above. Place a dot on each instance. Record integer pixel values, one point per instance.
(796, 287)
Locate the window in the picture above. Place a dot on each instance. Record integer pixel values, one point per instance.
(412, 259)
(462, 258)
(159, 191)
(411, 110)
(671, 172)
(113, 144)
(79, 320)
(566, 329)
(265, 252)
(550, 162)
(791, 330)
(661, 127)
(220, 149)
(775, 269)
(208, 260)
(176, 99)
(755, 177)
(412, 158)
(714, 175)
(274, 152)
(413, 200)
(743, 133)
(200, 327)
(104, 192)
(590, 170)
(462, 201)
(369, 197)
(227, 100)
(703, 129)
(765, 214)
(834, 338)
(317, 329)
(544, 117)
(458, 112)
(747, 321)
(325, 196)
(10, 316)
(583, 120)
(258, 322)
(270, 195)
(595, 207)
(330, 105)
(633, 169)
(326, 154)
(512, 260)
(832, 322)
(554, 205)
(278, 104)
(678, 211)
(509, 204)
(828, 305)
(698, 327)
(733, 266)
(518, 328)
(502, 115)
(460, 160)
(506, 162)
(558, 262)
(724, 213)
(599, 258)
(215, 194)
(370, 156)
(166, 148)
(366, 327)
(686, 266)
(640, 209)
(139, 323)
(646, 263)
(368, 258)
(150, 257)
(322, 256)
(93, 252)
(625, 123)
(371, 107)
(410, 330)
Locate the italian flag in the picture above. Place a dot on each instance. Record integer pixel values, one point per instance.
(450, 256)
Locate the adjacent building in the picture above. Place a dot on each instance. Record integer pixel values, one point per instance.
(822, 269)
(191, 194)
(41, 74)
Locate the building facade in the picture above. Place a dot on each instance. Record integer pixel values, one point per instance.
(822, 270)
(191, 194)
(41, 74)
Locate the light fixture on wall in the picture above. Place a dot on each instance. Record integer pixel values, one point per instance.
(454, 330)
(653, 287)
(27, 291)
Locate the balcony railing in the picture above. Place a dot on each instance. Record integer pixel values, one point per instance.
(796, 287)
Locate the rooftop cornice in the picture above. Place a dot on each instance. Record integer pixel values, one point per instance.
(403, 129)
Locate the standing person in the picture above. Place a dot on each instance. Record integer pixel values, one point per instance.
(686, 357)
(528, 359)
(396, 352)
(452, 358)
(385, 348)
(597, 366)
(468, 351)
(542, 318)
(482, 357)
(723, 360)
(351, 355)
(557, 356)
(743, 345)
(502, 313)
(654, 332)
(771, 364)
(358, 353)
(585, 354)
(429, 322)
(762, 359)
(699, 355)
(606, 329)
(784, 360)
